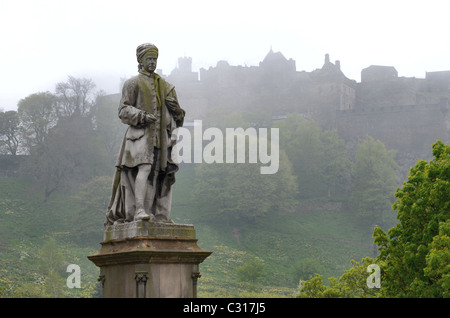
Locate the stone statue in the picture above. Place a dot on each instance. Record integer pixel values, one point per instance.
(145, 171)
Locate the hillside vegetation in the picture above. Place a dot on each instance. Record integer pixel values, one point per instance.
(266, 232)
(327, 238)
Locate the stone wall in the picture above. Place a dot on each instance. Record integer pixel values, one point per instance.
(407, 129)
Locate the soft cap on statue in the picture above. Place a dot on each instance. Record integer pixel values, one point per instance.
(142, 49)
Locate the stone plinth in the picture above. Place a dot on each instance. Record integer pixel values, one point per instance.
(150, 260)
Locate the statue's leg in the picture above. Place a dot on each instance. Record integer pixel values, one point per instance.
(140, 191)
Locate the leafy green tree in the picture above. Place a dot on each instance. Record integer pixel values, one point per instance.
(318, 157)
(438, 261)
(335, 164)
(306, 268)
(415, 252)
(313, 288)
(37, 115)
(373, 181)
(300, 139)
(351, 284)
(250, 271)
(70, 155)
(9, 132)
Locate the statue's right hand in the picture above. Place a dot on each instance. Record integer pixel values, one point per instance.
(149, 118)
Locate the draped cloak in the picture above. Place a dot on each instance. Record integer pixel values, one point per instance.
(145, 144)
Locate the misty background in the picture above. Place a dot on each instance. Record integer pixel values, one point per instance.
(359, 91)
(44, 41)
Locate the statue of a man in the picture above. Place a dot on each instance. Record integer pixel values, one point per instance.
(142, 187)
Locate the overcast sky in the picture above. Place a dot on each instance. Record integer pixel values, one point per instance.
(44, 41)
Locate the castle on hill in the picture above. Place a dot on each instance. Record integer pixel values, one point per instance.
(407, 114)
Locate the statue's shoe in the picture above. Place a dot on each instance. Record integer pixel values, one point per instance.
(141, 215)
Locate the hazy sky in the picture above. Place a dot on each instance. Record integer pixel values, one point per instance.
(44, 41)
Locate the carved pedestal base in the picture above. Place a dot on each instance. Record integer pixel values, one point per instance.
(149, 260)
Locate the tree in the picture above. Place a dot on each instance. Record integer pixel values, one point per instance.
(438, 261)
(373, 181)
(37, 115)
(76, 96)
(108, 125)
(416, 251)
(306, 268)
(351, 284)
(61, 137)
(300, 139)
(313, 288)
(318, 157)
(250, 271)
(233, 192)
(9, 132)
(51, 266)
(70, 155)
(336, 165)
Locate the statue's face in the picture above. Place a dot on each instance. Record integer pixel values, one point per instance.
(149, 62)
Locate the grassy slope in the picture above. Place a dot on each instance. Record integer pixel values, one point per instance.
(26, 223)
(331, 237)
(278, 240)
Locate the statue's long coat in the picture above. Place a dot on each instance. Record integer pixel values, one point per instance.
(139, 143)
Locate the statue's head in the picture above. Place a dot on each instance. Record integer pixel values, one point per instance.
(147, 55)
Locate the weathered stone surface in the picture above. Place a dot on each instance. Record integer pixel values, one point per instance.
(147, 229)
(142, 183)
(148, 259)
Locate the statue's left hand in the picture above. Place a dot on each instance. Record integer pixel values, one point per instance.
(172, 105)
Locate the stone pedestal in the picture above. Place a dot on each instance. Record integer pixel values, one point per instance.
(149, 260)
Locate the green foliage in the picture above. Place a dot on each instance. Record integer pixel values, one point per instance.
(437, 267)
(9, 132)
(300, 138)
(69, 155)
(251, 270)
(305, 268)
(373, 181)
(313, 288)
(318, 157)
(39, 271)
(74, 141)
(108, 127)
(336, 165)
(351, 284)
(416, 249)
(61, 135)
(37, 116)
(92, 198)
(239, 192)
(4, 283)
